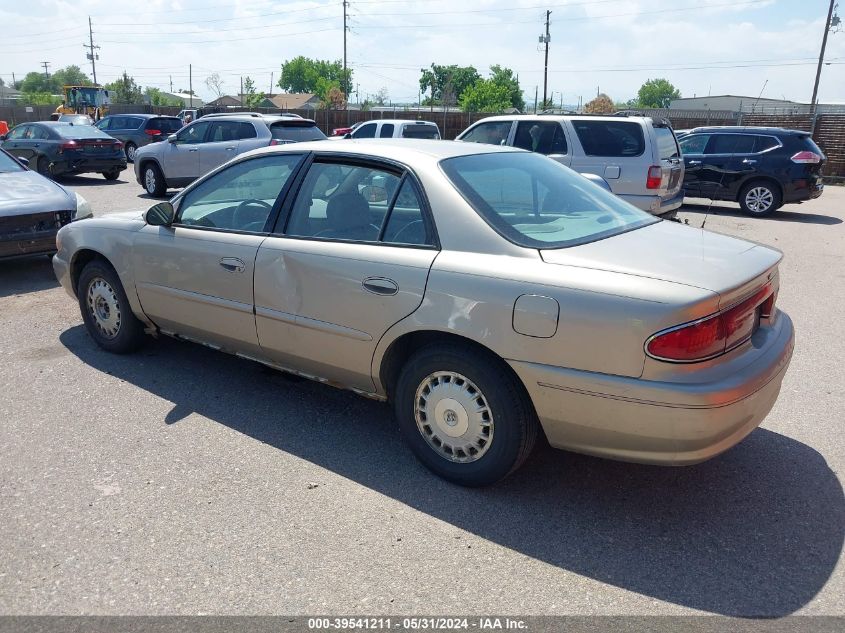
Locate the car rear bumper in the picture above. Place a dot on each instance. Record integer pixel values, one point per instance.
(655, 204)
(85, 165)
(655, 422)
(801, 190)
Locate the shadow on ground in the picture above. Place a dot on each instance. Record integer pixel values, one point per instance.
(781, 215)
(755, 532)
(93, 180)
(26, 274)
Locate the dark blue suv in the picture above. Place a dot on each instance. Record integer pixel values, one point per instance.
(761, 168)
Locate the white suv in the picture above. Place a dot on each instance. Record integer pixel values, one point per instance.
(212, 140)
(638, 156)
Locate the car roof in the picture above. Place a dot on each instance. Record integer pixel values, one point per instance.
(414, 121)
(561, 117)
(296, 121)
(144, 115)
(747, 129)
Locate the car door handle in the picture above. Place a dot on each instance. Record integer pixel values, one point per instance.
(233, 264)
(380, 286)
(693, 162)
(193, 149)
(230, 149)
(749, 161)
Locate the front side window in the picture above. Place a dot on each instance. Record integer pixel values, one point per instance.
(103, 124)
(694, 143)
(536, 202)
(614, 139)
(491, 133)
(193, 133)
(543, 137)
(19, 132)
(731, 144)
(241, 197)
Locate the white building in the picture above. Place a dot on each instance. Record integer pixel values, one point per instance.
(188, 100)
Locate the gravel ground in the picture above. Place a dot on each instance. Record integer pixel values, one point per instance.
(184, 481)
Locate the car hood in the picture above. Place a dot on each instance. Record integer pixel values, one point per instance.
(25, 192)
(670, 251)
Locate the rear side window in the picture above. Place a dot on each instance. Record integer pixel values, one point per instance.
(615, 139)
(165, 126)
(694, 143)
(763, 143)
(415, 130)
(543, 137)
(246, 130)
(492, 133)
(296, 133)
(730, 144)
(667, 146)
(133, 123)
(386, 131)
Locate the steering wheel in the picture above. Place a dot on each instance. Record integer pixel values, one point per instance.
(409, 227)
(240, 218)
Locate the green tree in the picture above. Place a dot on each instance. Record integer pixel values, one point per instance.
(486, 95)
(381, 97)
(157, 98)
(505, 77)
(657, 93)
(600, 105)
(630, 104)
(251, 96)
(125, 90)
(71, 76)
(38, 82)
(447, 83)
(39, 98)
(302, 74)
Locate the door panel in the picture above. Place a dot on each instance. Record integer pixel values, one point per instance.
(221, 146)
(313, 312)
(181, 159)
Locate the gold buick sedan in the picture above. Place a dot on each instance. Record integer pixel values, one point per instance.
(490, 294)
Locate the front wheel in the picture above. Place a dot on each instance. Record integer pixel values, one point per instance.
(130, 150)
(106, 311)
(43, 167)
(153, 180)
(759, 198)
(464, 414)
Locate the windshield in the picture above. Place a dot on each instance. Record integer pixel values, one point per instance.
(85, 96)
(421, 131)
(7, 163)
(296, 133)
(79, 131)
(536, 202)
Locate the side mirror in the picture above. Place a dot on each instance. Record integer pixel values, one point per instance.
(171, 138)
(161, 214)
(347, 135)
(23, 161)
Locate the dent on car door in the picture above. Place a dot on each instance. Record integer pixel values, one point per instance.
(195, 278)
(353, 260)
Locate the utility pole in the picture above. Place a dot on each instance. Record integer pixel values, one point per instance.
(271, 83)
(171, 84)
(345, 82)
(191, 85)
(535, 99)
(827, 27)
(545, 39)
(92, 54)
(46, 69)
(241, 95)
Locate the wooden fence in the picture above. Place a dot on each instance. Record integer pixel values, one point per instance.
(828, 129)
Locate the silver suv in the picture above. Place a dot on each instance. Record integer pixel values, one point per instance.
(212, 140)
(638, 156)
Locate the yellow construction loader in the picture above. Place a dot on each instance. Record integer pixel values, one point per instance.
(90, 100)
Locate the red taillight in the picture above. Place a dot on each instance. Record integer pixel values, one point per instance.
(68, 145)
(152, 132)
(716, 334)
(806, 157)
(655, 177)
(117, 144)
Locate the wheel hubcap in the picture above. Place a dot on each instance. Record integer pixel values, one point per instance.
(104, 307)
(759, 199)
(150, 180)
(130, 152)
(453, 416)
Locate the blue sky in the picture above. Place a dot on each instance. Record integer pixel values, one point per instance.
(701, 46)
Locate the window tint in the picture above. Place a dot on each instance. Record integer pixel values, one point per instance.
(762, 143)
(610, 138)
(133, 123)
(193, 133)
(543, 137)
(296, 133)
(240, 197)
(538, 203)
(365, 131)
(667, 147)
(224, 131)
(731, 144)
(165, 126)
(345, 202)
(386, 131)
(694, 143)
(492, 133)
(405, 224)
(18, 132)
(416, 130)
(103, 124)
(39, 133)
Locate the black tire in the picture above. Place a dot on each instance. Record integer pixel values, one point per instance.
(111, 175)
(42, 165)
(100, 281)
(154, 185)
(514, 427)
(760, 198)
(130, 149)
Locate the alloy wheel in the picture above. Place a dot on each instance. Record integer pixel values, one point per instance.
(150, 180)
(759, 199)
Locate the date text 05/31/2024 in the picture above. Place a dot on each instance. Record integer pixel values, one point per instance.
(414, 624)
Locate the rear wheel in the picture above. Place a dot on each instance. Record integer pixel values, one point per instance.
(759, 198)
(43, 167)
(130, 150)
(464, 414)
(111, 175)
(153, 180)
(106, 311)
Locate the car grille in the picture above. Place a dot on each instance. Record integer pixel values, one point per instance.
(20, 226)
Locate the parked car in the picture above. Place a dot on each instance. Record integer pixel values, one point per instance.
(211, 141)
(484, 291)
(137, 130)
(75, 119)
(638, 156)
(188, 115)
(60, 149)
(33, 209)
(761, 168)
(394, 128)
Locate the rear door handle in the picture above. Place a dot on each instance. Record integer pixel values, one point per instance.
(193, 149)
(380, 286)
(233, 264)
(694, 162)
(230, 149)
(749, 161)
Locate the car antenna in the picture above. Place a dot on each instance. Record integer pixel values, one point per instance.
(733, 151)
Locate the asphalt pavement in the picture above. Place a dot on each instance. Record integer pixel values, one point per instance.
(180, 480)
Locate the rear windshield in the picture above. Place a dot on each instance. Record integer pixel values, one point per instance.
(667, 147)
(536, 202)
(296, 133)
(79, 131)
(610, 138)
(810, 145)
(7, 163)
(421, 131)
(166, 126)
